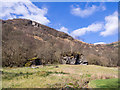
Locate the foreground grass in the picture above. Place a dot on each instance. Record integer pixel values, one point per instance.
(107, 83)
(75, 76)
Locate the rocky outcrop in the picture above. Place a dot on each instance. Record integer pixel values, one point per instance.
(74, 58)
(33, 62)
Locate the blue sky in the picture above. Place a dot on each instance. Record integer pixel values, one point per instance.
(91, 22)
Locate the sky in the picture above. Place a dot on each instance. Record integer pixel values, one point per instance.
(91, 22)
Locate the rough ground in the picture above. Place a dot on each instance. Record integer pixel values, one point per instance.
(75, 76)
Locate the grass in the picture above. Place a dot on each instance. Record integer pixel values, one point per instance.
(107, 83)
(73, 76)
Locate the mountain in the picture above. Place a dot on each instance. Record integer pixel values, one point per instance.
(24, 39)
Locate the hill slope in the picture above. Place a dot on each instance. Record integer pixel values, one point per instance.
(23, 39)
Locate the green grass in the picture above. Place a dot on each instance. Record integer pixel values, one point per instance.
(105, 83)
(73, 76)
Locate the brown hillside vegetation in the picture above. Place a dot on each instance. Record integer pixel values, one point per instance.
(24, 39)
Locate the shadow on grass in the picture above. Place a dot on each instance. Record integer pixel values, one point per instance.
(11, 75)
(47, 73)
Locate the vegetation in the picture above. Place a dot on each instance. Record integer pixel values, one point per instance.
(107, 83)
(69, 76)
(29, 61)
(22, 41)
(70, 54)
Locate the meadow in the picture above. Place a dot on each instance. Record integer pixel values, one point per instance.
(60, 76)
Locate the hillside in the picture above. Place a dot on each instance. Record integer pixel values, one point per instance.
(24, 39)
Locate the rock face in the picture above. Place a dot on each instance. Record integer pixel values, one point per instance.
(24, 39)
(74, 58)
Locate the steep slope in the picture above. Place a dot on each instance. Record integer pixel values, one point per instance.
(23, 39)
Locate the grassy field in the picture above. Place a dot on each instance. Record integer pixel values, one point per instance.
(106, 83)
(74, 76)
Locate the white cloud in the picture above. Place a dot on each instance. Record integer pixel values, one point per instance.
(91, 28)
(77, 11)
(63, 29)
(99, 43)
(22, 9)
(14, 0)
(111, 25)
